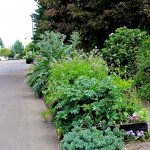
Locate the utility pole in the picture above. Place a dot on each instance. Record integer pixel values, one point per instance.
(32, 18)
(25, 42)
(25, 46)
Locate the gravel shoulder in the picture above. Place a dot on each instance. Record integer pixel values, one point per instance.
(137, 146)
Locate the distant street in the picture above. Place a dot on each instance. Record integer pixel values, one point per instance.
(12, 67)
(21, 126)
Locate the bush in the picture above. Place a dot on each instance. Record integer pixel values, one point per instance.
(29, 60)
(142, 77)
(100, 100)
(52, 48)
(30, 55)
(67, 71)
(121, 49)
(92, 139)
(37, 77)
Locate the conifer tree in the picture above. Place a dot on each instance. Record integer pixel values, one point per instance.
(94, 19)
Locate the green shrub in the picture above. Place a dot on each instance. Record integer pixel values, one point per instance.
(97, 99)
(52, 48)
(144, 91)
(121, 49)
(29, 60)
(37, 77)
(92, 139)
(142, 77)
(30, 57)
(67, 71)
(81, 87)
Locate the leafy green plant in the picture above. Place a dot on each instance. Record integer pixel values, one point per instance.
(52, 48)
(67, 71)
(142, 77)
(80, 87)
(29, 57)
(121, 49)
(92, 139)
(97, 99)
(29, 47)
(37, 77)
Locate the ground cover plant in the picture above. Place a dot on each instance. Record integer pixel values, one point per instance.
(136, 136)
(90, 139)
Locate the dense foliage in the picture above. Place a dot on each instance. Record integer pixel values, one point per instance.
(81, 94)
(94, 19)
(6, 52)
(17, 49)
(51, 48)
(121, 51)
(142, 77)
(37, 77)
(92, 139)
(81, 87)
(29, 47)
(68, 70)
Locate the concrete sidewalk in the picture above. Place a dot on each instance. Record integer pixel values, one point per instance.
(21, 126)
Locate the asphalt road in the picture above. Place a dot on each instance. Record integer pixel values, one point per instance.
(21, 126)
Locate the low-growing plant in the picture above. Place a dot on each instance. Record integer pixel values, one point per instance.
(133, 136)
(136, 136)
(92, 139)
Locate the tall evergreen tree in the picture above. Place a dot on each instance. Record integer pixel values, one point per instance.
(94, 19)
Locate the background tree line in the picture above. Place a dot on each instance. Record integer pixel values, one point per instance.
(94, 19)
(16, 51)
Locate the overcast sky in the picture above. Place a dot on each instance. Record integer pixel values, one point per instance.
(15, 20)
